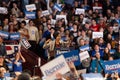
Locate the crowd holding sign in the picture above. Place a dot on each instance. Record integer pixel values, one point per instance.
(30, 15)
(15, 36)
(72, 56)
(45, 13)
(30, 7)
(84, 48)
(4, 34)
(112, 66)
(3, 10)
(58, 7)
(84, 55)
(58, 65)
(92, 76)
(79, 11)
(97, 35)
(25, 43)
(97, 8)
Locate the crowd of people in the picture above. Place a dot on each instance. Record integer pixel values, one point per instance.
(47, 34)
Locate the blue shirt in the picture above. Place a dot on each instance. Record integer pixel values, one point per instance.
(18, 66)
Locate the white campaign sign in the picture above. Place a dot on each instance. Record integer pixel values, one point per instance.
(60, 17)
(25, 43)
(97, 35)
(30, 7)
(84, 55)
(58, 65)
(92, 76)
(79, 11)
(97, 8)
(45, 13)
(3, 10)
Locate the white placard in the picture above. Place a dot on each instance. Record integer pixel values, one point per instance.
(84, 55)
(58, 65)
(3, 10)
(79, 11)
(30, 7)
(92, 76)
(97, 8)
(58, 17)
(45, 13)
(97, 35)
(25, 43)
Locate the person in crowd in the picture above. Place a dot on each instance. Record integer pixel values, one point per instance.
(94, 25)
(23, 30)
(117, 54)
(96, 50)
(15, 10)
(106, 54)
(2, 47)
(96, 64)
(2, 72)
(33, 35)
(17, 63)
(24, 76)
(5, 24)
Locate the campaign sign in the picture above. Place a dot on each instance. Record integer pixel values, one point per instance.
(57, 7)
(30, 7)
(84, 55)
(58, 17)
(61, 50)
(97, 8)
(112, 66)
(92, 76)
(4, 34)
(3, 10)
(72, 56)
(79, 11)
(112, 51)
(30, 15)
(15, 36)
(57, 65)
(85, 47)
(25, 43)
(97, 35)
(45, 13)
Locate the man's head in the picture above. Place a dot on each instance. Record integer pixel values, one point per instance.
(24, 76)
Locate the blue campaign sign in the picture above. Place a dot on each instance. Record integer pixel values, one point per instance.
(72, 56)
(85, 47)
(112, 66)
(58, 7)
(30, 15)
(4, 34)
(15, 36)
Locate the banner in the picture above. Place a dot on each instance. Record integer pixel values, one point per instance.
(15, 36)
(11, 49)
(57, 65)
(45, 13)
(92, 76)
(57, 7)
(30, 15)
(85, 47)
(79, 11)
(112, 66)
(97, 35)
(3, 10)
(4, 34)
(72, 56)
(84, 55)
(25, 43)
(30, 7)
